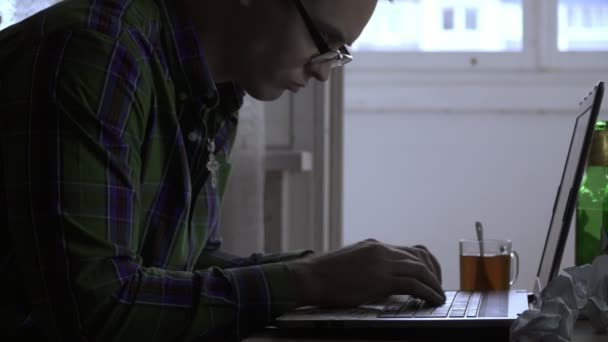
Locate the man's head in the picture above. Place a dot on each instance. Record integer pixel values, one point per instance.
(266, 45)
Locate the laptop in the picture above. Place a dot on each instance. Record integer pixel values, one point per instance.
(493, 312)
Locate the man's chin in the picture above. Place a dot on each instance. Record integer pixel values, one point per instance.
(265, 94)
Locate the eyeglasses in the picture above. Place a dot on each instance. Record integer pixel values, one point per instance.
(333, 58)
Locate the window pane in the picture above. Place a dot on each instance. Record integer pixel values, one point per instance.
(448, 19)
(444, 25)
(583, 25)
(471, 19)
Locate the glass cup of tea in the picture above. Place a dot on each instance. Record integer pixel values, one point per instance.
(487, 265)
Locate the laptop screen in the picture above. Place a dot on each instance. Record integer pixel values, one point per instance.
(567, 193)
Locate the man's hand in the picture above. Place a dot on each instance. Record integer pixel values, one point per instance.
(366, 271)
(426, 257)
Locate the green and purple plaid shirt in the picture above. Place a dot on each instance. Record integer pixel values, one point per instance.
(109, 220)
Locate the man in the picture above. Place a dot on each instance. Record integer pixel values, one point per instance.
(117, 122)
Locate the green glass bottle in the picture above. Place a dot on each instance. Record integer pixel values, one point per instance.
(592, 205)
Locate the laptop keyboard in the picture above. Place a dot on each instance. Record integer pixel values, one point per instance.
(458, 304)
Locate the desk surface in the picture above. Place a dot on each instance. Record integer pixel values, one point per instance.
(582, 333)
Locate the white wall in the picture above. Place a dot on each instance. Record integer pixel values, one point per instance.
(427, 156)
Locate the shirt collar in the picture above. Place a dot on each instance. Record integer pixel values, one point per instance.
(187, 62)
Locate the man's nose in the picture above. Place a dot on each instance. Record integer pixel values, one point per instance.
(320, 71)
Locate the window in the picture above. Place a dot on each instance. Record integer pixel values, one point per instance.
(471, 19)
(583, 25)
(448, 19)
(485, 34)
(444, 25)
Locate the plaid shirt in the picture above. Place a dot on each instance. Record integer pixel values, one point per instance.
(109, 218)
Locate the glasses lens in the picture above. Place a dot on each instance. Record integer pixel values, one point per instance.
(344, 50)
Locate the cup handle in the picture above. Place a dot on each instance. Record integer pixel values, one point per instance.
(515, 257)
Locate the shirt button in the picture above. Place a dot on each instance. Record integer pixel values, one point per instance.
(193, 136)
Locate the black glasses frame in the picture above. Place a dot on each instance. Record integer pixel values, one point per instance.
(326, 54)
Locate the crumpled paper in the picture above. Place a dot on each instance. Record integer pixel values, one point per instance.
(578, 292)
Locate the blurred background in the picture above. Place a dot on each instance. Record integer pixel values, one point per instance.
(462, 110)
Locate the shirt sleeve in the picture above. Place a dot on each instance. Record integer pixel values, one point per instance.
(227, 260)
(251, 273)
(71, 150)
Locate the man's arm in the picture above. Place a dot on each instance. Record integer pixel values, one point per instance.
(213, 256)
(72, 170)
(226, 260)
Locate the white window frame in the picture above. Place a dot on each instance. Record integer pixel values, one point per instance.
(539, 51)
